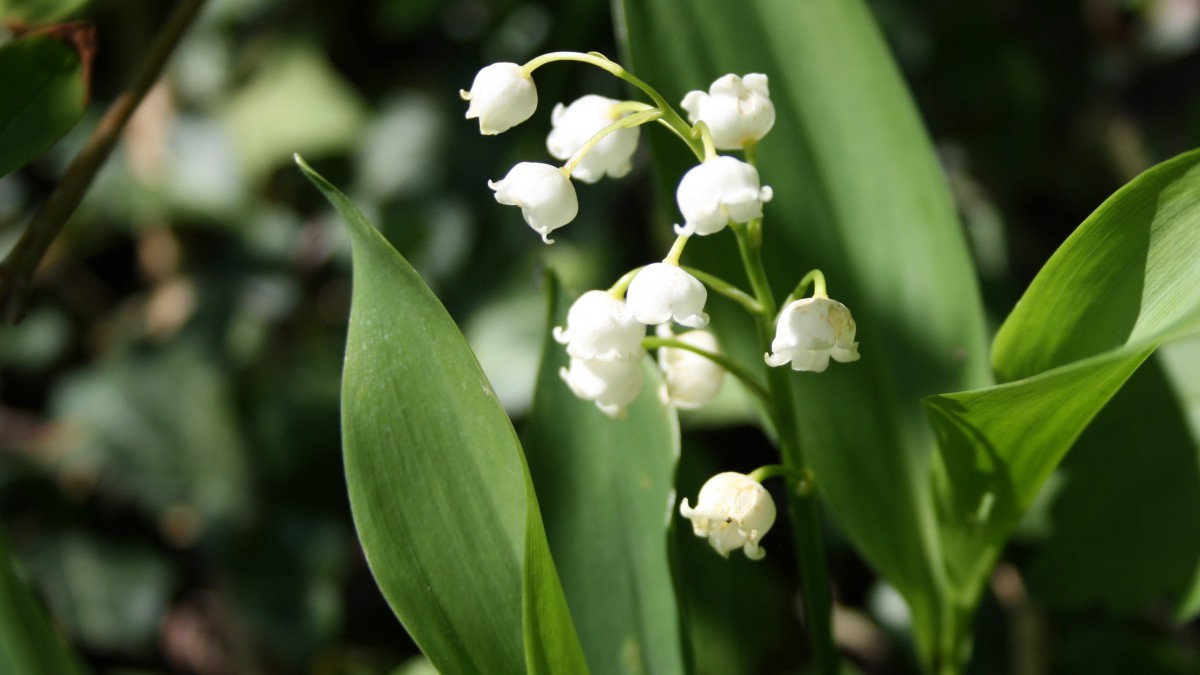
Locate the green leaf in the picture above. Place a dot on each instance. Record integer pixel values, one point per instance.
(38, 11)
(29, 644)
(1142, 448)
(859, 194)
(45, 94)
(1125, 282)
(441, 497)
(607, 490)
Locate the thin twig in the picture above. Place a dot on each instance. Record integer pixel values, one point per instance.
(16, 272)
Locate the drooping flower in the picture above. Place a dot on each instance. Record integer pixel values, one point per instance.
(736, 110)
(502, 96)
(810, 331)
(720, 191)
(691, 380)
(662, 292)
(575, 124)
(733, 511)
(611, 385)
(545, 195)
(598, 328)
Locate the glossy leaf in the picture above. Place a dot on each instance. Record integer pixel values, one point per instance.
(29, 644)
(859, 194)
(606, 487)
(438, 486)
(45, 93)
(1126, 281)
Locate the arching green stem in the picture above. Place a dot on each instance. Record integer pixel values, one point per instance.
(816, 277)
(726, 289)
(626, 122)
(732, 367)
(671, 117)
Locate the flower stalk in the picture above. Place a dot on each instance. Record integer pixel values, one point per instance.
(806, 517)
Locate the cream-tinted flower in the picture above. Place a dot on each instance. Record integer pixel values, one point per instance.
(502, 96)
(736, 110)
(575, 124)
(690, 380)
(662, 292)
(810, 331)
(545, 195)
(611, 385)
(719, 191)
(733, 511)
(598, 328)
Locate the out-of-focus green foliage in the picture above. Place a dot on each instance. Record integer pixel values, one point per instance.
(28, 641)
(45, 91)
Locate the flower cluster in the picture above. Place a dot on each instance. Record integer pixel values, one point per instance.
(605, 333)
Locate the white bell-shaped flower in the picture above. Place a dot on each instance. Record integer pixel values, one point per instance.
(598, 328)
(690, 380)
(502, 96)
(735, 109)
(810, 331)
(661, 292)
(733, 511)
(575, 124)
(545, 195)
(719, 191)
(611, 385)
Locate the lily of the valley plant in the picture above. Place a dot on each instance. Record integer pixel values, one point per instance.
(606, 334)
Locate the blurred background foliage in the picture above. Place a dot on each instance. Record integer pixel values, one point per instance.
(170, 473)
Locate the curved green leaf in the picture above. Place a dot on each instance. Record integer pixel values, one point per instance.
(859, 194)
(29, 644)
(45, 93)
(607, 489)
(438, 486)
(1126, 281)
(1145, 447)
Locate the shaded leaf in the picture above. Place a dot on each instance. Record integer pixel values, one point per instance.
(439, 490)
(1125, 521)
(859, 194)
(606, 488)
(29, 644)
(45, 94)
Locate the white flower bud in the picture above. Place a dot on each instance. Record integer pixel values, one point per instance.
(598, 328)
(736, 110)
(811, 330)
(691, 381)
(662, 292)
(575, 124)
(612, 385)
(502, 96)
(720, 191)
(546, 196)
(733, 511)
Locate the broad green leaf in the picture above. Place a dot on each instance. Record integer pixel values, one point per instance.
(29, 644)
(1128, 552)
(859, 194)
(44, 95)
(439, 490)
(606, 488)
(1125, 282)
